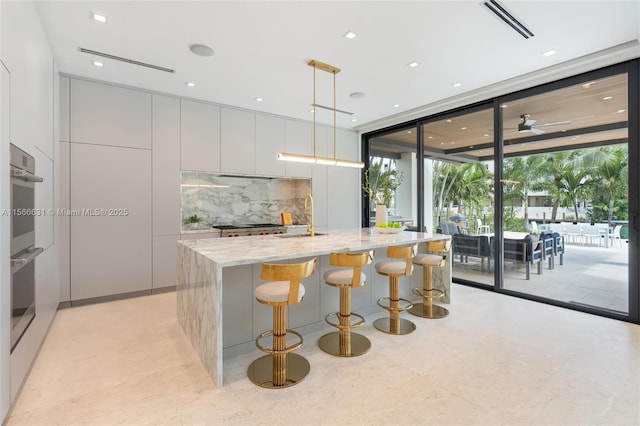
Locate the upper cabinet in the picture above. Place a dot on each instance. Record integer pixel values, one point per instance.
(299, 140)
(238, 141)
(270, 136)
(199, 136)
(109, 115)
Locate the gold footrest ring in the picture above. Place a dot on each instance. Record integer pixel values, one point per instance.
(344, 327)
(428, 311)
(408, 305)
(283, 351)
(419, 291)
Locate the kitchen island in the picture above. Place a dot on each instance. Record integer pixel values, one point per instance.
(218, 272)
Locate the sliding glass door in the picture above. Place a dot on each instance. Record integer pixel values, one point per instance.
(565, 193)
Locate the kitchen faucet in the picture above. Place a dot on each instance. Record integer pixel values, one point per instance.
(310, 230)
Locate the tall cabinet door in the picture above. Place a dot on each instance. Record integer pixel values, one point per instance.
(111, 233)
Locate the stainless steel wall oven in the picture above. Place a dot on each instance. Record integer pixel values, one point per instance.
(23, 237)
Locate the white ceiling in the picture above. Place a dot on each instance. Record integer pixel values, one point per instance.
(262, 48)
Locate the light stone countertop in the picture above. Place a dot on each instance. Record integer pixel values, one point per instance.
(269, 248)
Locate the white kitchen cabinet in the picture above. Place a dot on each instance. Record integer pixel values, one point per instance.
(111, 244)
(237, 319)
(344, 200)
(166, 165)
(64, 109)
(44, 200)
(199, 136)
(237, 141)
(319, 176)
(165, 254)
(109, 115)
(270, 136)
(64, 221)
(298, 140)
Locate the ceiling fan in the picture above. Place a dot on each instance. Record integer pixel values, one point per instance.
(528, 125)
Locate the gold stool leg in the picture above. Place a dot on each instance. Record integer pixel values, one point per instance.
(280, 369)
(344, 342)
(427, 309)
(394, 324)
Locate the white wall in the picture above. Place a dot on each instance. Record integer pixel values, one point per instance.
(26, 53)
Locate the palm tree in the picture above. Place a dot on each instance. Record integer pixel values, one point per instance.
(525, 174)
(611, 167)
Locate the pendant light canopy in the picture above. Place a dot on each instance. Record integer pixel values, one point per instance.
(285, 156)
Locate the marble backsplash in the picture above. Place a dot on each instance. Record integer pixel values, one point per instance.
(225, 199)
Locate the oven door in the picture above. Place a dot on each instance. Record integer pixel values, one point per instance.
(22, 209)
(23, 292)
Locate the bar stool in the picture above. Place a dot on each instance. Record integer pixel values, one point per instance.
(395, 269)
(428, 261)
(343, 342)
(280, 368)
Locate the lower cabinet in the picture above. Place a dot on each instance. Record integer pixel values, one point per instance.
(165, 254)
(111, 250)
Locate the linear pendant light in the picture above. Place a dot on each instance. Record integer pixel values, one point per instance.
(285, 156)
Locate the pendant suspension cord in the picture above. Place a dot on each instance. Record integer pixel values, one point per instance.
(314, 110)
(334, 115)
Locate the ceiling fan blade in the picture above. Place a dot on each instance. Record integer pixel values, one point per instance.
(557, 123)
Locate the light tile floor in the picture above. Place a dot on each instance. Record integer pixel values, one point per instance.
(495, 360)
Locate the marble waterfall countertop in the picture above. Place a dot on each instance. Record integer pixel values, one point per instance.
(268, 248)
(201, 278)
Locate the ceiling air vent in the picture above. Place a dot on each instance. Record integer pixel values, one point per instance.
(508, 18)
(131, 61)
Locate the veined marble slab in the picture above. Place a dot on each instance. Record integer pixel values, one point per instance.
(201, 263)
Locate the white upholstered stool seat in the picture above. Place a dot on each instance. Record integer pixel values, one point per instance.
(276, 292)
(400, 264)
(341, 276)
(280, 368)
(427, 259)
(343, 342)
(392, 267)
(436, 258)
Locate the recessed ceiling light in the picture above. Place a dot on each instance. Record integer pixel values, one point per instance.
(97, 63)
(463, 128)
(456, 84)
(620, 111)
(441, 143)
(201, 50)
(429, 137)
(99, 18)
(396, 105)
(549, 52)
(357, 95)
(413, 64)
(350, 35)
(190, 84)
(606, 98)
(504, 106)
(448, 121)
(259, 99)
(587, 85)
(486, 135)
(409, 131)
(452, 143)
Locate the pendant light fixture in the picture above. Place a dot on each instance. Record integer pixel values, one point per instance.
(314, 158)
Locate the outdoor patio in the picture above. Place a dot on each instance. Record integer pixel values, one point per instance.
(590, 275)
